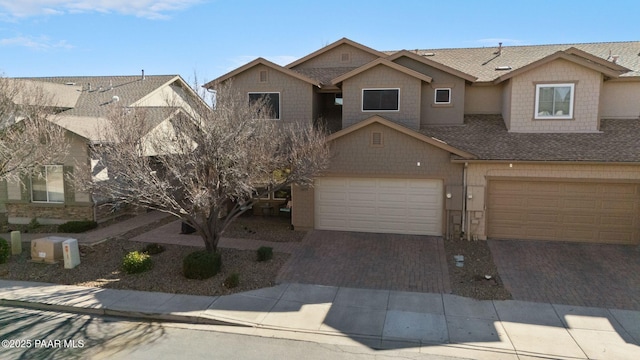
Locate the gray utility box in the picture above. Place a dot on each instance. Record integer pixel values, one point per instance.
(71, 253)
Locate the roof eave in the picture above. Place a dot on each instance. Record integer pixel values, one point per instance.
(433, 64)
(383, 62)
(333, 46)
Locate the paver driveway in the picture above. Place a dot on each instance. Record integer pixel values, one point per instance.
(368, 260)
(570, 273)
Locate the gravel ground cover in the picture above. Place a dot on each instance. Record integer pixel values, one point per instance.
(100, 264)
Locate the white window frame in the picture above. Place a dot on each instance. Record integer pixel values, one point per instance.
(369, 89)
(267, 93)
(435, 96)
(47, 182)
(554, 116)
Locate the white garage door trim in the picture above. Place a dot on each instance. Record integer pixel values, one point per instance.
(384, 205)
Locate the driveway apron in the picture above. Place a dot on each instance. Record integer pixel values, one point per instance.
(596, 275)
(369, 260)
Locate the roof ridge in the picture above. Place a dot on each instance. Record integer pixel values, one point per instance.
(514, 46)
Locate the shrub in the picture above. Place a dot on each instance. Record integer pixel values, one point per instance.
(136, 262)
(201, 265)
(5, 251)
(77, 226)
(33, 224)
(232, 281)
(265, 253)
(153, 249)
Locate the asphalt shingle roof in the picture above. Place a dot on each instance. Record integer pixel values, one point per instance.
(92, 101)
(482, 62)
(487, 137)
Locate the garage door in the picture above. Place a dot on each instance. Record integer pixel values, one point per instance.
(566, 211)
(400, 206)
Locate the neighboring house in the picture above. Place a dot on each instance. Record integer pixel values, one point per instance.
(526, 142)
(82, 105)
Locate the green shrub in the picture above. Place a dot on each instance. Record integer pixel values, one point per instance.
(153, 249)
(77, 226)
(201, 265)
(265, 253)
(136, 262)
(5, 251)
(33, 224)
(232, 281)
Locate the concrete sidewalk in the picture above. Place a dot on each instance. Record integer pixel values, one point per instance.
(428, 323)
(98, 235)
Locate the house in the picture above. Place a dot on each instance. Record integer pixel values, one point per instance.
(81, 106)
(520, 142)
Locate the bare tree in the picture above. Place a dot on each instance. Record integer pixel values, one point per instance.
(206, 170)
(28, 137)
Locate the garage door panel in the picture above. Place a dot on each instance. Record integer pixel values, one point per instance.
(408, 206)
(564, 210)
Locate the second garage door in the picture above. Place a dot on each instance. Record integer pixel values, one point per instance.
(401, 206)
(564, 210)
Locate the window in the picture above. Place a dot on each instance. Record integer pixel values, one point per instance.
(442, 96)
(338, 100)
(271, 100)
(47, 185)
(380, 99)
(554, 101)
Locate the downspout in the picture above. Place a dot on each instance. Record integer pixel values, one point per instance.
(464, 202)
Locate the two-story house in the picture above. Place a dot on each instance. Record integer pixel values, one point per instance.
(82, 105)
(527, 142)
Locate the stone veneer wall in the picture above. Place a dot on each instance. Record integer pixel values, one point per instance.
(23, 213)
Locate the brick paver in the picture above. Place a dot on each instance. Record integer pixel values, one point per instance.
(367, 260)
(595, 275)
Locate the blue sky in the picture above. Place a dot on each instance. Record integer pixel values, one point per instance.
(207, 38)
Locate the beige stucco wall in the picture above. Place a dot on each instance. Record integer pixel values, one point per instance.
(588, 84)
(483, 99)
(296, 96)
(333, 58)
(382, 77)
(352, 156)
(479, 173)
(620, 100)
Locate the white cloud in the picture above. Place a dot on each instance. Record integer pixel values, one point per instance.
(35, 43)
(152, 9)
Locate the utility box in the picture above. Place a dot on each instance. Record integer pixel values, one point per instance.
(47, 250)
(16, 243)
(71, 253)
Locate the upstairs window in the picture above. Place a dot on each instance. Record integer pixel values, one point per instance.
(47, 185)
(442, 96)
(271, 101)
(554, 101)
(380, 99)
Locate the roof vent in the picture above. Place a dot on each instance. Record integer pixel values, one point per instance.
(70, 83)
(503, 68)
(115, 98)
(429, 54)
(614, 58)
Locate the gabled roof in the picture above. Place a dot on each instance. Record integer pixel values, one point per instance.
(376, 119)
(383, 62)
(488, 139)
(429, 62)
(54, 95)
(483, 62)
(98, 91)
(575, 56)
(331, 46)
(267, 63)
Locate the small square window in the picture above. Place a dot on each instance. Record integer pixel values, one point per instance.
(443, 96)
(338, 100)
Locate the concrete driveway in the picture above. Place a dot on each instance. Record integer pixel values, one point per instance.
(595, 275)
(369, 260)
